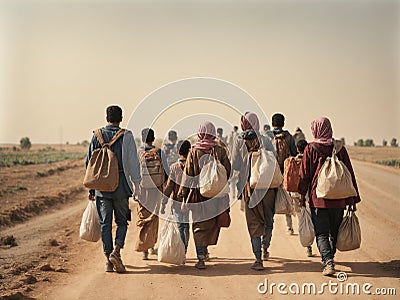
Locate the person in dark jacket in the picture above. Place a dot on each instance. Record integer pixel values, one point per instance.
(327, 214)
(117, 202)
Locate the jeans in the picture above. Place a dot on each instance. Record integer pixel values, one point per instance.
(182, 220)
(326, 224)
(201, 252)
(256, 246)
(105, 209)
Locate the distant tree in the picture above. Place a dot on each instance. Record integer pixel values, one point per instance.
(67, 143)
(393, 142)
(384, 143)
(343, 141)
(85, 143)
(25, 143)
(360, 143)
(369, 143)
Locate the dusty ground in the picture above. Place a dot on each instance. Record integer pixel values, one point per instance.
(51, 262)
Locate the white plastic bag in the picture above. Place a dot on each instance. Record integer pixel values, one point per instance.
(171, 249)
(349, 236)
(306, 227)
(283, 202)
(90, 225)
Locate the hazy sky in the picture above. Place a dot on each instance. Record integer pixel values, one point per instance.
(63, 62)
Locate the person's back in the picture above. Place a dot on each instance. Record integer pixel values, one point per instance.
(116, 202)
(327, 214)
(170, 147)
(283, 141)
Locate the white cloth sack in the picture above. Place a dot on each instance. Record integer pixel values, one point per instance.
(171, 249)
(306, 227)
(334, 179)
(283, 202)
(213, 179)
(349, 236)
(264, 170)
(90, 225)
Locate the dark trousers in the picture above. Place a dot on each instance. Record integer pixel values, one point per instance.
(326, 224)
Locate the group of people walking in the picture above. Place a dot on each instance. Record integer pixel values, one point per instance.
(174, 171)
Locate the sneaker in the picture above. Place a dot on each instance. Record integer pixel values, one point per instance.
(109, 267)
(329, 269)
(265, 256)
(153, 251)
(145, 255)
(290, 231)
(309, 252)
(116, 260)
(257, 265)
(200, 264)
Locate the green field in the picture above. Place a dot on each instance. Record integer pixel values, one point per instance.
(9, 159)
(390, 162)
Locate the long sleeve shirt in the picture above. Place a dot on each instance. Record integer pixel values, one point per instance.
(128, 162)
(310, 165)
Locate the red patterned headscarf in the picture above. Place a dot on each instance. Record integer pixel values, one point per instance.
(322, 131)
(206, 136)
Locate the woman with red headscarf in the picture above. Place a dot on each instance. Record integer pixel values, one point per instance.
(259, 218)
(205, 211)
(327, 214)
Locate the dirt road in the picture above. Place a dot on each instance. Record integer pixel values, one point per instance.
(228, 275)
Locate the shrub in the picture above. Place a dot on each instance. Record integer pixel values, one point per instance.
(25, 143)
(369, 143)
(393, 142)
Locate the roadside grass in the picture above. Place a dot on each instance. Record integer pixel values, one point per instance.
(10, 159)
(389, 162)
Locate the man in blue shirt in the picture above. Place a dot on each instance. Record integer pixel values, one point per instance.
(116, 202)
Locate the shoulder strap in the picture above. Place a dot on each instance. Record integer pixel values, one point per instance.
(120, 133)
(99, 136)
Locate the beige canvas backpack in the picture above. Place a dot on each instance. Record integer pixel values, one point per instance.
(102, 172)
(152, 168)
(334, 179)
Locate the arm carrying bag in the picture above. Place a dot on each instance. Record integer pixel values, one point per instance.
(171, 249)
(349, 235)
(90, 226)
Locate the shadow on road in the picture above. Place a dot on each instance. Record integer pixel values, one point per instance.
(241, 266)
